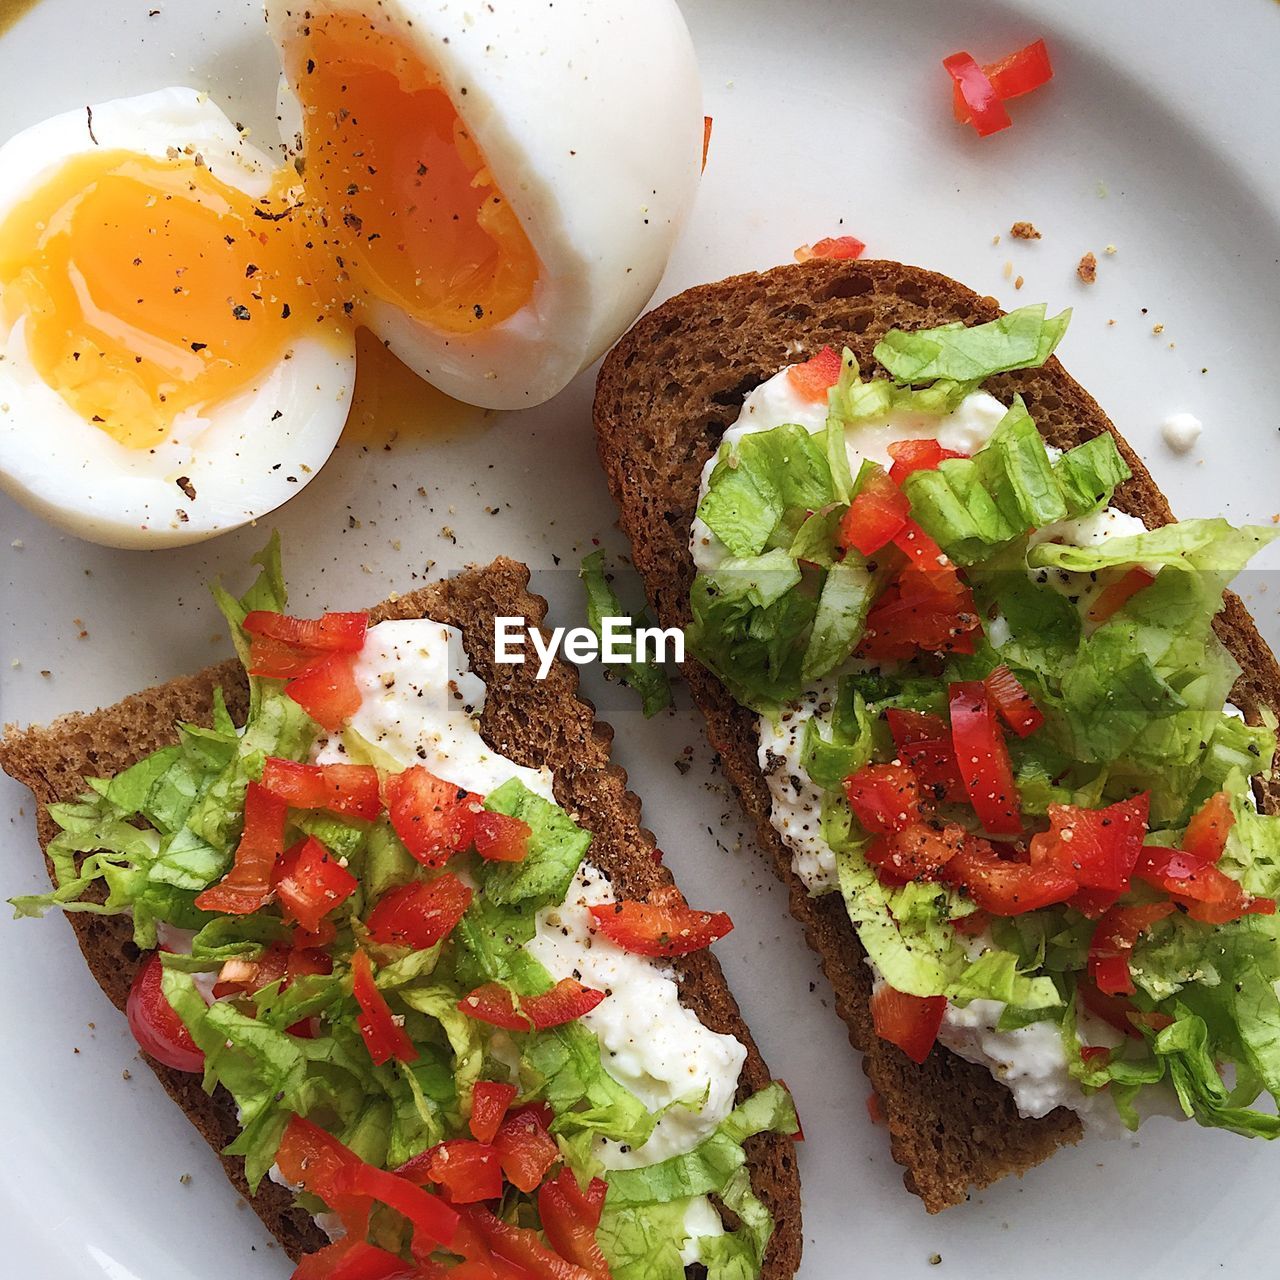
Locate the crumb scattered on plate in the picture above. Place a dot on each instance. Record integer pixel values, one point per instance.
(1087, 268)
(1024, 231)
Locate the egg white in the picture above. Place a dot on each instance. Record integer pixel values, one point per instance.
(589, 114)
(239, 457)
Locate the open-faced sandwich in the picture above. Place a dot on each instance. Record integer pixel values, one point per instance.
(387, 927)
(1001, 730)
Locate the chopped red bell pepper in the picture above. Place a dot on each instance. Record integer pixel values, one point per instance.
(467, 1171)
(916, 852)
(348, 789)
(1021, 71)
(816, 376)
(924, 610)
(987, 113)
(241, 976)
(839, 248)
(521, 1248)
(352, 1259)
(1013, 702)
(884, 797)
(1113, 943)
(310, 1158)
(1097, 847)
(333, 633)
(489, 1102)
(493, 1003)
(1018, 73)
(877, 514)
(525, 1148)
(383, 1036)
(1003, 887)
(418, 915)
(310, 882)
(921, 551)
(567, 1001)
(278, 963)
(875, 1110)
(427, 1213)
(983, 758)
(923, 744)
(247, 886)
(1207, 832)
(1094, 903)
(321, 937)
(569, 1221)
(277, 661)
(910, 1022)
(434, 818)
(500, 838)
(917, 455)
(662, 926)
(1208, 895)
(327, 690)
(909, 727)
(1117, 1012)
(1113, 597)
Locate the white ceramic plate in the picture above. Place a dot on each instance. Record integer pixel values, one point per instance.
(1157, 136)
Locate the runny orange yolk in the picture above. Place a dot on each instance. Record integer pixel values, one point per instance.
(147, 287)
(150, 286)
(396, 187)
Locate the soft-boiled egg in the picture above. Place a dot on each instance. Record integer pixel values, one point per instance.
(491, 189)
(167, 369)
(502, 182)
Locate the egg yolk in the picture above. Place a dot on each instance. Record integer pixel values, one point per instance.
(147, 287)
(396, 187)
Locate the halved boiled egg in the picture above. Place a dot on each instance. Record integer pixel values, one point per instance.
(502, 183)
(492, 189)
(171, 366)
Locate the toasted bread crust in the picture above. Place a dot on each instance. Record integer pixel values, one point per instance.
(532, 722)
(664, 397)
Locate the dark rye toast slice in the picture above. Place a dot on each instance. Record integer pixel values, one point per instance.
(534, 723)
(664, 397)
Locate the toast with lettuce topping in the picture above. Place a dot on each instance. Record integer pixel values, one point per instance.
(919, 597)
(155, 832)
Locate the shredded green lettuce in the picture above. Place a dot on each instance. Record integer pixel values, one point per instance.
(973, 506)
(1022, 339)
(842, 611)
(995, 975)
(758, 479)
(557, 846)
(709, 1166)
(645, 676)
(1210, 547)
(918, 953)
